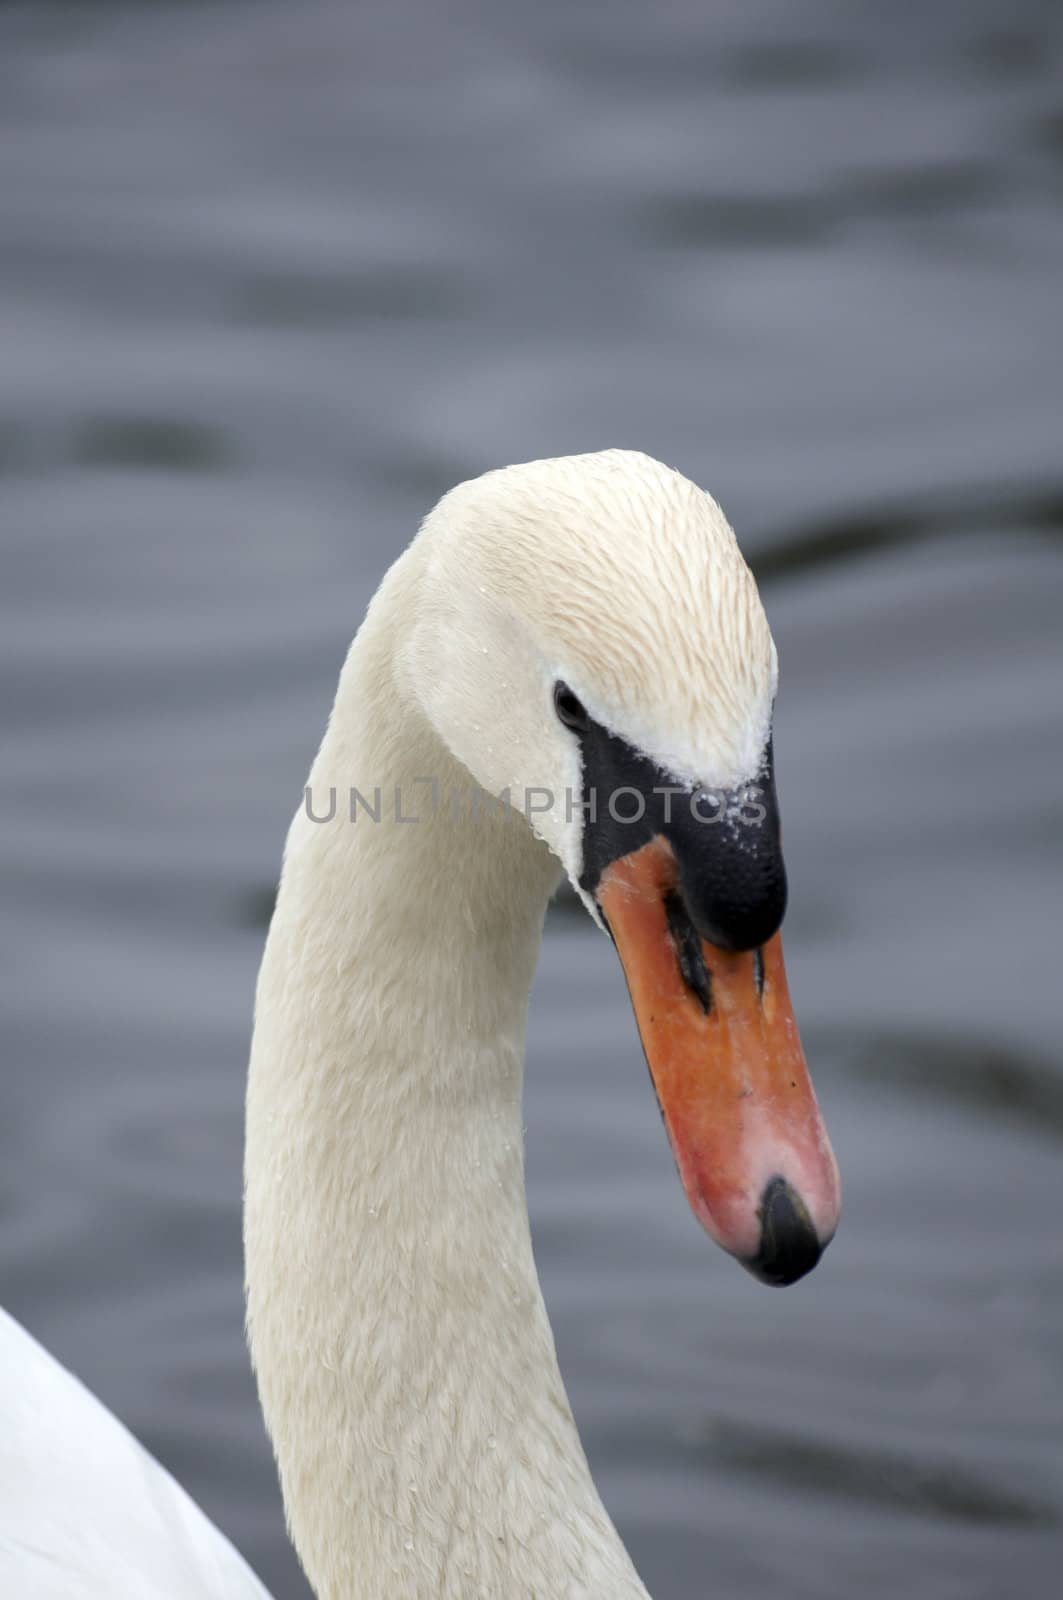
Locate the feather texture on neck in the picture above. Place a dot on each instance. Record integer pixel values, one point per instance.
(403, 1353)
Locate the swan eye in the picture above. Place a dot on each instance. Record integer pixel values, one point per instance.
(569, 708)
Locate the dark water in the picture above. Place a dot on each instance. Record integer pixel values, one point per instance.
(274, 276)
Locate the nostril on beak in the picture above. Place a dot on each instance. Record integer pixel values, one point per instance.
(789, 1244)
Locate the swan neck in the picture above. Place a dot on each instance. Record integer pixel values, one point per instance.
(403, 1353)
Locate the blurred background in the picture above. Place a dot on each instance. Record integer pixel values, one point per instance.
(274, 276)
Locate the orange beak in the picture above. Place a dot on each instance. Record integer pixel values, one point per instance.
(719, 1034)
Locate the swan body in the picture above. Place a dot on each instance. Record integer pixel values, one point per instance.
(402, 1348)
(85, 1511)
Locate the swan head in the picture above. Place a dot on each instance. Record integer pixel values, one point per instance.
(588, 641)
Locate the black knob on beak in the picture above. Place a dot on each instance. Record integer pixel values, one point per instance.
(730, 863)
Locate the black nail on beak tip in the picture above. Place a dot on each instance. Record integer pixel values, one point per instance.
(789, 1244)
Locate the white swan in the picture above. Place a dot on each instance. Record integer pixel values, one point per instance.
(556, 628)
(584, 634)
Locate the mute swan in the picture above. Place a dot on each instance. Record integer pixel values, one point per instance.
(582, 638)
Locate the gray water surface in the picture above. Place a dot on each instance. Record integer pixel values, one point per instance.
(272, 278)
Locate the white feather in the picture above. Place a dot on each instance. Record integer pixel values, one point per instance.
(85, 1512)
